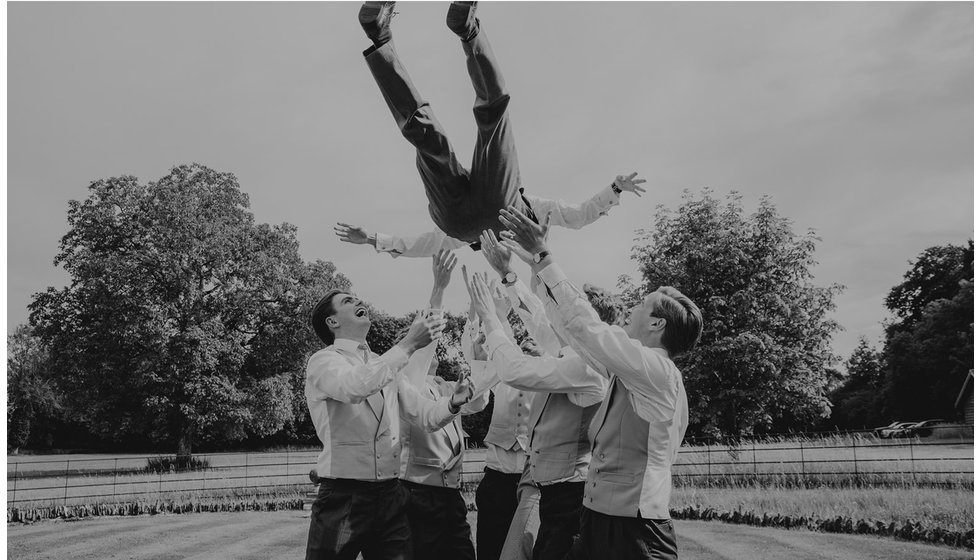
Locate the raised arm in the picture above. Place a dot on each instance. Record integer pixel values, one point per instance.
(329, 374)
(643, 370)
(432, 414)
(578, 216)
(484, 377)
(552, 374)
(527, 306)
(424, 245)
(442, 270)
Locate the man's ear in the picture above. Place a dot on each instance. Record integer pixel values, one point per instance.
(331, 322)
(657, 323)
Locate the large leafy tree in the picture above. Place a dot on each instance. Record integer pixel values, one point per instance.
(185, 321)
(936, 274)
(764, 361)
(929, 346)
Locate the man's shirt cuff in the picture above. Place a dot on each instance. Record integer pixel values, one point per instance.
(552, 275)
(607, 198)
(384, 243)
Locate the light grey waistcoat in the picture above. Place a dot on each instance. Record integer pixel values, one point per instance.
(560, 442)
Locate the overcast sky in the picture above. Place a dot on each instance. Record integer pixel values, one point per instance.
(857, 119)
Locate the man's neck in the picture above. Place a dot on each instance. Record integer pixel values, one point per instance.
(360, 338)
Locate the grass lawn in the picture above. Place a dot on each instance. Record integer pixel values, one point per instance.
(263, 535)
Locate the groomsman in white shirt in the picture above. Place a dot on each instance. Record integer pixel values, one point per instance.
(507, 441)
(356, 400)
(432, 462)
(641, 422)
(569, 395)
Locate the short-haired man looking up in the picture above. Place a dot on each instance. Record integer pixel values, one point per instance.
(641, 422)
(361, 506)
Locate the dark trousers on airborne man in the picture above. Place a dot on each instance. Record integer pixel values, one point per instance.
(461, 202)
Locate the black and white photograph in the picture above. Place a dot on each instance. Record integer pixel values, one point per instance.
(495, 280)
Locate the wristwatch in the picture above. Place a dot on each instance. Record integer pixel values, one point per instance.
(538, 257)
(509, 278)
(616, 189)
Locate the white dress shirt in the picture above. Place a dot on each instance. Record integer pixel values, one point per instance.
(511, 460)
(562, 214)
(349, 372)
(655, 388)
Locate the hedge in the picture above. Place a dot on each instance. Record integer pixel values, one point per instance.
(30, 515)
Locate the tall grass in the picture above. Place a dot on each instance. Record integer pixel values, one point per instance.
(935, 507)
(230, 495)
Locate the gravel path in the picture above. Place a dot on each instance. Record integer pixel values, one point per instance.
(262, 535)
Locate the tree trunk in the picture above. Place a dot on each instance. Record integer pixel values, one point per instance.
(184, 441)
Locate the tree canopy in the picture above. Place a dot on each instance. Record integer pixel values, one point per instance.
(184, 320)
(928, 346)
(32, 398)
(764, 361)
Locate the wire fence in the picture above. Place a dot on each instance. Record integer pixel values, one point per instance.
(837, 458)
(78, 479)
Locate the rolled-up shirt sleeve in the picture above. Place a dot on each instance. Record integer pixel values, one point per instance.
(331, 375)
(646, 372)
(424, 245)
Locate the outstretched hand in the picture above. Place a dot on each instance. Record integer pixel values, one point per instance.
(479, 350)
(501, 303)
(463, 392)
(628, 183)
(496, 254)
(523, 233)
(443, 265)
(352, 234)
(423, 331)
(480, 297)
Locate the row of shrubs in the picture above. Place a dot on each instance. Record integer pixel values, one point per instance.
(176, 464)
(30, 515)
(909, 530)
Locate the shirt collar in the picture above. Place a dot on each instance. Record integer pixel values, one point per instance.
(349, 345)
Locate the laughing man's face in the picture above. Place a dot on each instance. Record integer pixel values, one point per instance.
(349, 310)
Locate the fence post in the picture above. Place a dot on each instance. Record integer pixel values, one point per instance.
(855, 451)
(287, 463)
(67, 464)
(245, 482)
(115, 472)
(755, 465)
(912, 458)
(204, 475)
(709, 460)
(802, 459)
(16, 465)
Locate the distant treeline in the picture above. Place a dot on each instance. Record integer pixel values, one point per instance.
(185, 325)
